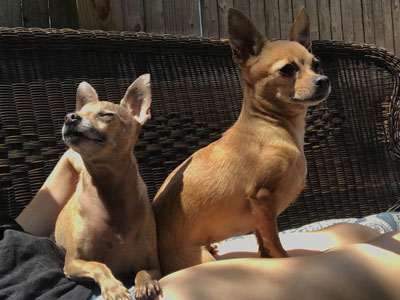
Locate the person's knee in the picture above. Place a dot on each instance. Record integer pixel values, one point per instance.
(348, 233)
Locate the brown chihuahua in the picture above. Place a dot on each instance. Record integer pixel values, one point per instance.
(108, 227)
(244, 180)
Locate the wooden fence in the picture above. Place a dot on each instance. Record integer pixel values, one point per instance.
(369, 21)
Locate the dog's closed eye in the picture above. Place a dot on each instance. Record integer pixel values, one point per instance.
(105, 115)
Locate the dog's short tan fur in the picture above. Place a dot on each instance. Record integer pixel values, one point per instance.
(108, 227)
(244, 180)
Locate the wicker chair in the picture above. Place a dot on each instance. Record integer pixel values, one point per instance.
(352, 140)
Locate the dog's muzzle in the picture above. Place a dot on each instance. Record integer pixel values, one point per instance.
(322, 84)
(69, 131)
(322, 89)
(72, 118)
(77, 128)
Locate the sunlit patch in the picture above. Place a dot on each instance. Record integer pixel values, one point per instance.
(396, 236)
(314, 241)
(279, 64)
(90, 108)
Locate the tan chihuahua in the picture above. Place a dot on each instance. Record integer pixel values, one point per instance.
(244, 180)
(108, 227)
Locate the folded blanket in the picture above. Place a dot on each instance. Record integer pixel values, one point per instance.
(382, 222)
(31, 267)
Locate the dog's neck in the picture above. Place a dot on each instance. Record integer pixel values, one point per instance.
(291, 117)
(112, 184)
(111, 173)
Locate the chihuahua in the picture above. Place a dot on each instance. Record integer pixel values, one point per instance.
(244, 180)
(107, 227)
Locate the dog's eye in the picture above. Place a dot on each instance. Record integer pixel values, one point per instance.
(105, 115)
(316, 66)
(288, 70)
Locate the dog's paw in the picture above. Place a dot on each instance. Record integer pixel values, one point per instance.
(147, 289)
(115, 291)
(213, 249)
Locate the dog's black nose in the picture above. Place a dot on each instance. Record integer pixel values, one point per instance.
(321, 81)
(71, 118)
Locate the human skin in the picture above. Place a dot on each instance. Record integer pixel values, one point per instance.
(357, 268)
(39, 216)
(361, 265)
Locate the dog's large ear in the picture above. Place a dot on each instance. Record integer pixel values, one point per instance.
(137, 99)
(245, 40)
(85, 94)
(300, 30)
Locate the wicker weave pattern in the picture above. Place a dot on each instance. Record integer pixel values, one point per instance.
(351, 142)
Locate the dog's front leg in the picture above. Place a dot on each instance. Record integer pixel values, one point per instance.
(111, 288)
(263, 207)
(146, 284)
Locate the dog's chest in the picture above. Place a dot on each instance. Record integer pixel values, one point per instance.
(108, 244)
(229, 187)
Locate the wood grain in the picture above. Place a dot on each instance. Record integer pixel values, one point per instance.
(272, 19)
(396, 25)
(35, 13)
(369, 31)
(336, 19)
(378, 23)
(312, 9)
(286, 17)
(347, 20)
(388, 25)
(324, 20)
(358, 21)
(154, 16)
(257, 15)
(10, 13)
(95, 14)
(223, 6)
(209, 18)
(63, 14)
(370, 21)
